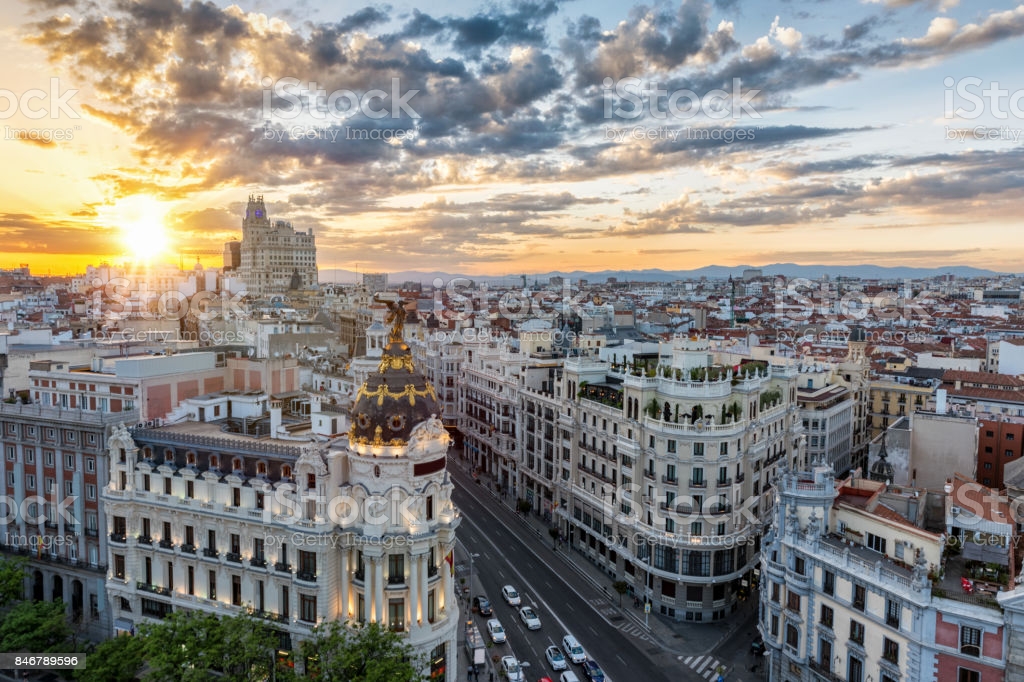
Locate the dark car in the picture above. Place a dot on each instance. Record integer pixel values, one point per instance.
(593, 671)
(757, 647)
(482, 605)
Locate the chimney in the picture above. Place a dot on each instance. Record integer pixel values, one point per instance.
(275, 416)
(97, 364)
(940, 401)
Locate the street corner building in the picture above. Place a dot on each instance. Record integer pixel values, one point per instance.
(223, 512)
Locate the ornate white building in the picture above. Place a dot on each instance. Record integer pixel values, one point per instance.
(359, 528)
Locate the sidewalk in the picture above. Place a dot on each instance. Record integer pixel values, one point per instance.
(461, 568)
(679, 638)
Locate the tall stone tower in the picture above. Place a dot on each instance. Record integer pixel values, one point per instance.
(274, 258)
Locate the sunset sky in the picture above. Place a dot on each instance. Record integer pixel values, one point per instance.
(513, 156)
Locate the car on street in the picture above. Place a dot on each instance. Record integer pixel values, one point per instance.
(511, 669)
(569, 676)
(483, 605)
(511, 596)
(593, 671)
(757, 647)
(529, 618)
(573, 649)
(555, 658)
(545, 679)
(495, 630)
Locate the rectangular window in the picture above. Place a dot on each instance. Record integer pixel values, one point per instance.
(876, 543)
(970, 641)
(30, 482)
(792, 637)
(119, 566)
(827, 615)
(892, 613)
(211, 586)
(48, 457)
(257, 549)
(236, 590)
(858, 597)
(967, 675)
(167, 485)
(191, 580)
(307, 608)
(396, 615)
(698, 449)
(793, 601)
(307, 564)
(396, 569)
(857, 632)
(855, 670)
(775, 592)
(890, 650)
(775, 626)
(69, 462)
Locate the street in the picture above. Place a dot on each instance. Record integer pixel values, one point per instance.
(507, 555)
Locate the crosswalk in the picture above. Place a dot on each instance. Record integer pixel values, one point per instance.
(705, 666)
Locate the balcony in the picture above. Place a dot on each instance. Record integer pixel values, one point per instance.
(671, 480)
(396, 580)
(267, 615)
(649, 474)
(188, 548)
(740, 477)
(717, 509)
(307, 576)
(155, 589)
(283, 567)
(824, 673)
(359, 574)
(144, 540)
(210, 553)
(431, 571)
(723, 482)
(234, 557)
(119, 538)
(698, 484)
(258, 562)
(166, 544)
(91, 532)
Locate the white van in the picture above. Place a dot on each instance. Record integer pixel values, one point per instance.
(573, 649)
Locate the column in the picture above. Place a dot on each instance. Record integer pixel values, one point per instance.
(414, 591)
(378, 588)
(424, 591)
(345, 612)
(446, 582)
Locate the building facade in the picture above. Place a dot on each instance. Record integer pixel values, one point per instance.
(273, 257)
(853, 588)
(298, 529)
(671, 469)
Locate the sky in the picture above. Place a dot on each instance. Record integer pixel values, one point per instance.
(516, 137)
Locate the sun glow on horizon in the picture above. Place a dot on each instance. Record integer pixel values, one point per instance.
(141, 220)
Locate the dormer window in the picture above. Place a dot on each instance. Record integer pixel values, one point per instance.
(190, 458)
(236, 464)
(169, 456)
(261, 468)
(214, 462)
(286, 471)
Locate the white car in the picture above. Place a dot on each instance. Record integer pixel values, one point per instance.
(573, 650)
(529, 618)
(555, 658)
(569, 676)
(511, 596)
(513, 671)
(495, 630)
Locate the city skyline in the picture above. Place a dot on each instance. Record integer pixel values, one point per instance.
(521, 150)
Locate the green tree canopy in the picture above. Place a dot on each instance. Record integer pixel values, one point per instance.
(115, 660)
(38, 627)
(369, 653)
(12, 579)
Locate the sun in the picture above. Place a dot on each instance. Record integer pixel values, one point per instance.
(141, 220)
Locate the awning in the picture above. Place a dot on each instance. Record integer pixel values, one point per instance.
(124, 626)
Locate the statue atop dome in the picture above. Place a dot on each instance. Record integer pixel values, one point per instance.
(396, 318)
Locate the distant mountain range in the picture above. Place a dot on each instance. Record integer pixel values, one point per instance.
(656, 275)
